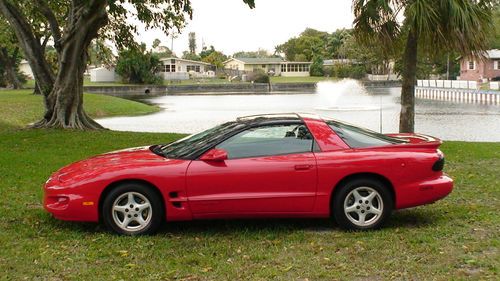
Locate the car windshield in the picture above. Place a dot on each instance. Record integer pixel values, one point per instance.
(357, 137)
(190, 146)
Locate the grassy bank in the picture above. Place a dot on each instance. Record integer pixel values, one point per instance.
(456, 238)
(281, 79)
(19, 107)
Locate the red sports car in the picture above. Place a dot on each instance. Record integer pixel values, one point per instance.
(278, 165)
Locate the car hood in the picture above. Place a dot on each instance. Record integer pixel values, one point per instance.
(132, 158)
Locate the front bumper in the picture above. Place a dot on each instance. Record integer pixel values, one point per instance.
(70, 204)
(424, 192)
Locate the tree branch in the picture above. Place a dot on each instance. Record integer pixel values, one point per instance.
(54, 24)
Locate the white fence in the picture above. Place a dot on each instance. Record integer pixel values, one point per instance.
(386, 77)
(454, 84)
(458, 95)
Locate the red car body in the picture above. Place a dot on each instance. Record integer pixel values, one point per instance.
(292, 185)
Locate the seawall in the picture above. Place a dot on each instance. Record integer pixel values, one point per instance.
(209, 89)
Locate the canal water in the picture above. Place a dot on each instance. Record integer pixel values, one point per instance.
(346, 100)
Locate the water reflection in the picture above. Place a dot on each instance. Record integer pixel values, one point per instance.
(345, 100)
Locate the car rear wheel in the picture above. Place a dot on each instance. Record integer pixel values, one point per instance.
(362, 204)
(132, 209)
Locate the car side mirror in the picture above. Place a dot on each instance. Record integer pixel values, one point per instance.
(215, 154)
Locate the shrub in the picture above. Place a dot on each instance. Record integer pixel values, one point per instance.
(258, 76)
(137, 66)
(346, 71)
(316, 68)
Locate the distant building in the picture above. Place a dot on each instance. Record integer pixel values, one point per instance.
(473, 69)
(181, 69)
(24, 68)
(103, 74)
(275, 66)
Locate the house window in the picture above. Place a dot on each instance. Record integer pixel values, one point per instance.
(496, 64)
(169, 68)
(283, 68)
(195, 68)
(263, 66)
(471, 65)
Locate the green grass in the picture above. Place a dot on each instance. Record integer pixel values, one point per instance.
(19, 107)
(281, 79)
(454, 239)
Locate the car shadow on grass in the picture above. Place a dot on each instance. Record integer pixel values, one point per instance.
(414, 218)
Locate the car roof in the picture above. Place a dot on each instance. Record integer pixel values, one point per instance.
(275, 117)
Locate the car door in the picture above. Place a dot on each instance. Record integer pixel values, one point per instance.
(270, 169)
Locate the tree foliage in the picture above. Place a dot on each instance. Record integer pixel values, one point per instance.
(260, 53)
(316, 68)
(311, 43)
(10, 57)
(192, 42)
(215, 58)
(138, 66)
(72, 25)
(434, 27)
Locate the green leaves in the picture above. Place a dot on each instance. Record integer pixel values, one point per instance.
(135, 65)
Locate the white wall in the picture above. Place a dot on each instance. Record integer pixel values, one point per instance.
(25, 69)
(456, 84)
(102, 74)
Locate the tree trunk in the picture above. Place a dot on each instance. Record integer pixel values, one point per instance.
(66, 98)
(409, 75)
(32, 49)
(63, 93)
(9, 63)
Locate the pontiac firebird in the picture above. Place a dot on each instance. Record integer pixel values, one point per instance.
(273, 166)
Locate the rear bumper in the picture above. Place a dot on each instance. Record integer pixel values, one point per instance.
(424, 192)
(66, 204)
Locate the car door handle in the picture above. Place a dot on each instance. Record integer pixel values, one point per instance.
(303, 167)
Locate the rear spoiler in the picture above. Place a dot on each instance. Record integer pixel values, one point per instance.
(417, 140)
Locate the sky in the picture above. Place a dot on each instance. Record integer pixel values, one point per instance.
(231, 26)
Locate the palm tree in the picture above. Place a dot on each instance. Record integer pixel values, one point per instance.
(430, 26)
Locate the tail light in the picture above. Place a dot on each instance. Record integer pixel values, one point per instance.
(439, 165)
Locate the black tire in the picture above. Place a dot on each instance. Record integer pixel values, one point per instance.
(152, 217)
(353, 220)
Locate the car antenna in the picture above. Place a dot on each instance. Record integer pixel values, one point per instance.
(380, 114)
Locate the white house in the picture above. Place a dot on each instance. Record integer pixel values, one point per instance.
(182, 69)
(24, 68)
(103, 74)
(277, 66)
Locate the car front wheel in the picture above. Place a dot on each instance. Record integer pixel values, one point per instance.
(132, 209)
(362, 204)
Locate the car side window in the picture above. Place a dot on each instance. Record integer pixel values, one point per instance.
(357, 137)
(268, 140)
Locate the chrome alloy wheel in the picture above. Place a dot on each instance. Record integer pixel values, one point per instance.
(132, 211)
(363, 206)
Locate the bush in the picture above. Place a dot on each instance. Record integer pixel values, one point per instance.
(495, 78)
(137, 66)
(328, 71)
(316, 68)
(258, 76)
(346, 71)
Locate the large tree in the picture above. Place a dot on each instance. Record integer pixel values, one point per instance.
(73, 25)
(9, 55)
(434, 26)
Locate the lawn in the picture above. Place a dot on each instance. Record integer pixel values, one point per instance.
(275, 79)
(281, 79)
(20, 107)
(456, 238)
